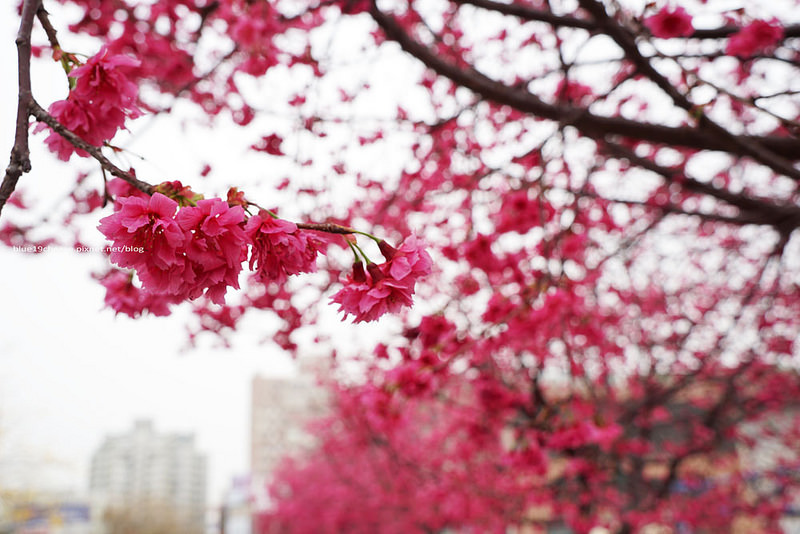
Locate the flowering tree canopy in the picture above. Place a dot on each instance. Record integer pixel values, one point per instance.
(585, 214)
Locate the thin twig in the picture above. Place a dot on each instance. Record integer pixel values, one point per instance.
(44, 20)
(784, 217)
(329, 228)
(41, 115)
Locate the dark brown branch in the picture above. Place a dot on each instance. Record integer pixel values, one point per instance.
(20, 153)
(627, 43)
(671, 209)
(44, 20)
(589, 124)
(792, 30)
(530, 14)
(41, 115)
(783, 217)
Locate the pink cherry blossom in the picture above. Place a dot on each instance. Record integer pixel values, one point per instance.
(118, 189)
(355, 289)
(387, 287)
(279, 248)
(353, 7)
(756, 37)
(519, 213)
(102, 99)
(198, 251)
(124, 297)
(147, 238)
(406, 263)
(76, 118)
(102, 82)
(369, 295)
(670, 22)
(214, 246)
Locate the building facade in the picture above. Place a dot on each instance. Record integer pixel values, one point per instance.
(143, 474)
(281, 409)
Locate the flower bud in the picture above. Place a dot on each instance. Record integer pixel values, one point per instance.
(387, 250)
(375, 272)
(358, 272)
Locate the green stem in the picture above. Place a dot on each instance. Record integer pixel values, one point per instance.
(356, 250)
(376, 239)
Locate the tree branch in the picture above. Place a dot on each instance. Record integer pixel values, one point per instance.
(41, 115)
(528, 13)
(329, 228)
(589, 124)
(783, 217)
(20, 162)
(741, 219)
(44, 20)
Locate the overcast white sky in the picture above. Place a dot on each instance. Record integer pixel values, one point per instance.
(70, 373)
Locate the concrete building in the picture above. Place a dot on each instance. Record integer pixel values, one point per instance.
(281, 409)
(143, 473)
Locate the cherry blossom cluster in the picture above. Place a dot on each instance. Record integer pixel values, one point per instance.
(101, 98)
(387, 287)
(183, 246)
(123, 296)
